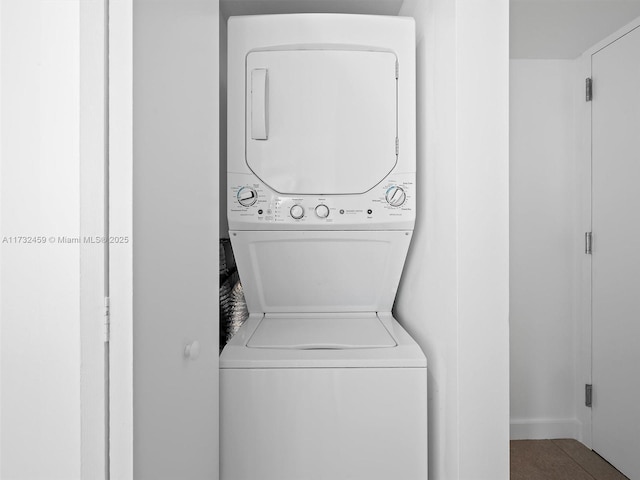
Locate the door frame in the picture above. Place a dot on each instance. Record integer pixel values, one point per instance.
(93, 268)
(120, 82)
(583, 296)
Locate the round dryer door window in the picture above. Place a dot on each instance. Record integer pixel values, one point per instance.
(321, 121)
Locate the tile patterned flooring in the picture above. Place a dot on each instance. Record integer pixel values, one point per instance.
(562, 459)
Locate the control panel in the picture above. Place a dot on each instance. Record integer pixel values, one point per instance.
(389, 205)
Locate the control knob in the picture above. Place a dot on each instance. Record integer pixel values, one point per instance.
(322, 211)
(297, 212)
(395, 196)
(247, 196)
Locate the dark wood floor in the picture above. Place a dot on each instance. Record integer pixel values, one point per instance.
(562, 459)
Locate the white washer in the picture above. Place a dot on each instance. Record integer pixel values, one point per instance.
(321, 382)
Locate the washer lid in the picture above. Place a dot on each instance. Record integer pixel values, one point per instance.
(320, 271)
(321, 120)
(317, 331)
(238, 355)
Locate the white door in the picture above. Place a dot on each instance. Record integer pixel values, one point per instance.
(616, 255)
(321, 121)
(164, 281)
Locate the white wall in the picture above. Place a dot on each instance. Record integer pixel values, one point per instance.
(482, 191)
(175, 238)
(426, 302)
(546, 29)
(454, 294)
(543, 249)
(40, 195)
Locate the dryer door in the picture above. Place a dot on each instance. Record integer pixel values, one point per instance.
(321, 121)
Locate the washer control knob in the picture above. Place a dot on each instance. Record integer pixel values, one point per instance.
(247, 196)
(395, 196)
(322, 211)
(297, 212)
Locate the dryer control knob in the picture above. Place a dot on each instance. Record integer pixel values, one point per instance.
(395, 196)
(297, 212)
(247, 196)
(322, 211)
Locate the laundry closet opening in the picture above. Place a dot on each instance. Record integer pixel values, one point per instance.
(320, 163)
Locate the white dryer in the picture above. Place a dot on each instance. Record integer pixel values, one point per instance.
(321, 382)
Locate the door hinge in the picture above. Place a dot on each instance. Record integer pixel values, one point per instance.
(588, 394)
(397, 146)
(588, 242)
(397, 69)
(107, 319)
(588, 89)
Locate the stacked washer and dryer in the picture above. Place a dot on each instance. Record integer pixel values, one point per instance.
(321, 382)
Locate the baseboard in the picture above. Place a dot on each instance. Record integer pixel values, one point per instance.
(543, 428)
